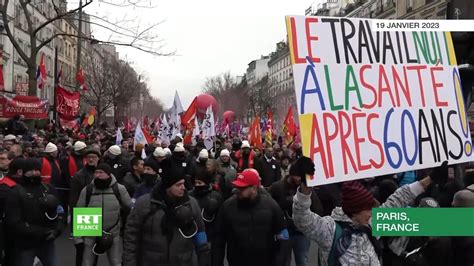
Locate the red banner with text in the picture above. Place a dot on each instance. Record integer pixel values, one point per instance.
(31, 107)
(67, 106)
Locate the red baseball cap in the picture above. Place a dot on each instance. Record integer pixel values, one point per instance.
(248, 177)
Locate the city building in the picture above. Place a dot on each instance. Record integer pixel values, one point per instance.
(257, 69)
(281, 81)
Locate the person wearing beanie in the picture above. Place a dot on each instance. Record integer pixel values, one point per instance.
(8, 141)
(208, 199)
(353, 218)
(157, 157)
(149, 178)
(180, 159)
(50, 169)
(245, 157)
(229, 171)
(80, 180)
(283, 192)
(115, 159)
(34, 217)
(106, 193)
(252, 225)
(165, 226)
(215, 151)
(133, 178)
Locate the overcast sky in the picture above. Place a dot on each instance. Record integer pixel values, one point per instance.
(209, 36)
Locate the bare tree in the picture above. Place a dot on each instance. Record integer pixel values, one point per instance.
(137, 37)
(260, 98)
(229, 94)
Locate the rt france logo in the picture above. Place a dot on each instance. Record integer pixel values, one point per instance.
(87, 222)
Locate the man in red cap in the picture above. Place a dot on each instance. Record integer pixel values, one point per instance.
(252, 225)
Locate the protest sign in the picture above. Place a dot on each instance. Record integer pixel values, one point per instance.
(31, 107)
(67, 106)
(374, 103)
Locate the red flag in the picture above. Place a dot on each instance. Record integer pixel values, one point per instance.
(188, 132)
(148, 136)
(255, 138)
(146, 122)
(190, 113)
(81, 79)
(41, 74)
(289, 127)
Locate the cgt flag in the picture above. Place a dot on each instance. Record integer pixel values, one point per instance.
(289, 127)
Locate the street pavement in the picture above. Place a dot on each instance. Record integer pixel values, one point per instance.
(67, 253)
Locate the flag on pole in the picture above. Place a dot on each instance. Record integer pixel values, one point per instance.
(119, 137)
(139, 137)
(227, 131)
(196, 131)
(81, 79)
(289, 127)
(2, 81)
(208, 129)
(163, 131)
(255, 137)
(174, 124)
(269, 128)
(41, 74)
(177, 106)
(190, 113)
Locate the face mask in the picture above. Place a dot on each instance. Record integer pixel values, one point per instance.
(201, 190)
(102, 183)
(149, 179)
(33, 179)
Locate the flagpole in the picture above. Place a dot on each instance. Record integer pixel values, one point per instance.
(55, 114)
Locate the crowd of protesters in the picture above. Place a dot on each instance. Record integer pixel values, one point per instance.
(186, 205)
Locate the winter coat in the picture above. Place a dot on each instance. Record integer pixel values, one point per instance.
(283, 192)
(120, 166)
(269, 170)
(145, 243)
(284, 172)
(109, 203)
(131, 182)
(229, 171)
(26, 218)
(463, 250)
(203, 199)
(80, 180)
(321, 229)
(248, 232)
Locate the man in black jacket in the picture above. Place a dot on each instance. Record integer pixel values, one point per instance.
(252, 225)
(33, 214)
(132, 179)
(283, 192)
(165, 227)
(268, 168)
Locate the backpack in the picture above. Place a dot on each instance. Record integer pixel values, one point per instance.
(115, 189)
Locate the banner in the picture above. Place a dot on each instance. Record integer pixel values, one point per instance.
(31, 107)
(67, 105)
(139, 137)
(208, 129)
(374, 103)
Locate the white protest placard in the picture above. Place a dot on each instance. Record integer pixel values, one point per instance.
(374, 103)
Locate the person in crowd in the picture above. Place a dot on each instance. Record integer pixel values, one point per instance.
(166, 227)
(33, 214)
(245, 157)
(125, 146)
(17, 150)
(283, 192)
(180, 159)
(208, 199)
(150, 178)
(229, 170)
(268, 168)
(158, 156)
(352, 219)
(216, 150)
(8, 141)
(80, 180)
(284, 166)
(105, 193)
(113, 157)
(133, 178)
(50, 169)
(251, 225)
(201, 161)
(7, 182)
(28, 149)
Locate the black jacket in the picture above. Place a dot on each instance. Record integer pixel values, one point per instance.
(283, 193)
(249, 233)
(145, 241)
(131, 182)
(26, 217)
(269, 170)
(205, 199)
(80, 180)
(120, 166)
